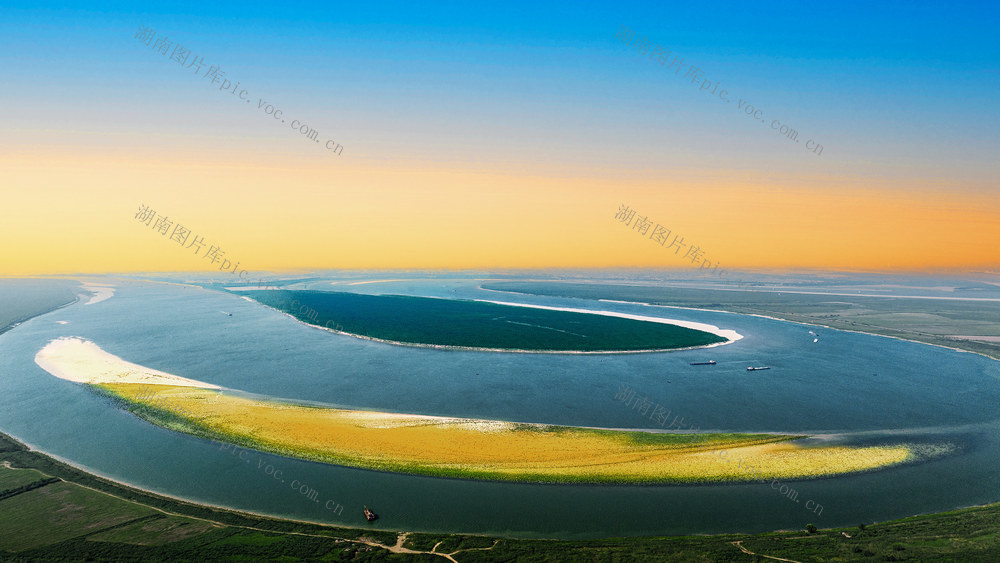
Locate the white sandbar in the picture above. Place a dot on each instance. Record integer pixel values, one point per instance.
(100, 291)
(730, 335)
(82, 361)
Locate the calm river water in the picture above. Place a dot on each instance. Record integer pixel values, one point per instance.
(847, 387)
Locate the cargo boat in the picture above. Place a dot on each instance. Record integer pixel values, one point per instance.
(758, 368)
(708, 363)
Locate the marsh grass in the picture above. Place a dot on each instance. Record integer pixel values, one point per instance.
(492, 450)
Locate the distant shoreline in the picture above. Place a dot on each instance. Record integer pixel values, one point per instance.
(33, 315)
(748, 314)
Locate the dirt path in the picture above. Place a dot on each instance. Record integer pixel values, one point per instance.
(398, 548)
(739, 544)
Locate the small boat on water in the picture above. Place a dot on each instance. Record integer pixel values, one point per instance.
(758, 368)
(371, 516)
(708, 363)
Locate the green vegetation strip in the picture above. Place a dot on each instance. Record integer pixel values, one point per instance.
(27, 487)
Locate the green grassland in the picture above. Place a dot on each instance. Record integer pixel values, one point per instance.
(157, 530)
(473, 324)
(931, 321)
(59, 511)
(11, 479)
(72, 515)
(68, 513)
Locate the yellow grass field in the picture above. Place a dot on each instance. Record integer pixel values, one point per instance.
(494, 450)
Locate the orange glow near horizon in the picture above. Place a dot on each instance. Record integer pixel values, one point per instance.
(78, 218)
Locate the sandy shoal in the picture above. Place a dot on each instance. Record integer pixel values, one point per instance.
(82, 361)
(100, 292)
(729, 335)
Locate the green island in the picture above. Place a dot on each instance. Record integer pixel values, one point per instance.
(476, 324)
(51, 511)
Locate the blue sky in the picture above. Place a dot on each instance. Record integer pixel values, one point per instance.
(901, 95)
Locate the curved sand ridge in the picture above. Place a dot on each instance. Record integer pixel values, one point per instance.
(729, 335)
(454, 447)
(82, 361)
(100, 291)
